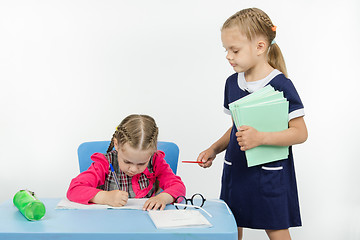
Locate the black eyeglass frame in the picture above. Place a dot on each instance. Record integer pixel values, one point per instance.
(191, 200)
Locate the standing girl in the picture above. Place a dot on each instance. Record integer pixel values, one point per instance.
(138, 167)
(265, 196)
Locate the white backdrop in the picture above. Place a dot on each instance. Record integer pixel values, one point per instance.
(70, 71)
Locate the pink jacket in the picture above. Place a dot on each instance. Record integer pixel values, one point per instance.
(84, 186)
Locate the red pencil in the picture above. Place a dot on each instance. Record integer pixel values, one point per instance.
(191, 162)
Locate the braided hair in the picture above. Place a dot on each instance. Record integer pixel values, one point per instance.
(255, 22)
(139, 131)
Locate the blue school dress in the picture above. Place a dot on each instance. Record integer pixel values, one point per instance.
(264, 196)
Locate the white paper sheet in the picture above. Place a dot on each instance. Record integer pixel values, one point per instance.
(133, 203)
(178, 219)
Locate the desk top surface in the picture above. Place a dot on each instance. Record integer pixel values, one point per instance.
(94, 224)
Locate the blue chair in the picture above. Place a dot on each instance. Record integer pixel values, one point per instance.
(86, 149)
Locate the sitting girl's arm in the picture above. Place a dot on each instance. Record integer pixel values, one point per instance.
(83, 188)
(170, 183)
(249, 137)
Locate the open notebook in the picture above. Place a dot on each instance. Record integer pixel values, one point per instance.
(266, 110)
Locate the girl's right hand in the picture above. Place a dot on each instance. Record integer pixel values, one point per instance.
(115, 198)
(206, 157)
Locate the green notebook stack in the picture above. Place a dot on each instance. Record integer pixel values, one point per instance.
(266, 110)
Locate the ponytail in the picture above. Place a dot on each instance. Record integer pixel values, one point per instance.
(276, 59)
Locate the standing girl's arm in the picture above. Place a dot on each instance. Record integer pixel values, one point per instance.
(209, 154)
(248, 137)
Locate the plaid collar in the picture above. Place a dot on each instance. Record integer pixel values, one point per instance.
(125, 180)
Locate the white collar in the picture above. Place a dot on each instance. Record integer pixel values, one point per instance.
(256, 85)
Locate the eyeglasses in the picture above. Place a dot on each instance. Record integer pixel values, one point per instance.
(197, 201)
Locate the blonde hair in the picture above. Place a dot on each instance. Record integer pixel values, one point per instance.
(139, 131)
(254, 22)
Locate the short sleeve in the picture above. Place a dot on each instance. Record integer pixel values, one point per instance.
(296, 107)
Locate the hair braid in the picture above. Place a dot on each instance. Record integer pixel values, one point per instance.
(153, 137)
(123, 131)
(150, 133)
(266, 20)
(111, 146)
(271, 33)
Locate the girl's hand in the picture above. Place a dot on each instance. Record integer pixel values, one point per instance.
(115, 198)
(248, 137)
(206, 157)
(158, 202)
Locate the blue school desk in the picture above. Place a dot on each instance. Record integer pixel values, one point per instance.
(109, 224)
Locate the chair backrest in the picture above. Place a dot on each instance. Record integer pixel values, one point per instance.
(86, 149)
